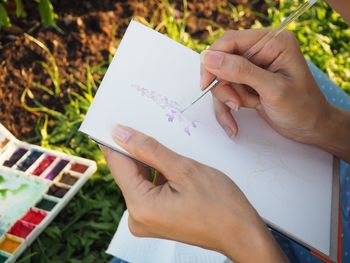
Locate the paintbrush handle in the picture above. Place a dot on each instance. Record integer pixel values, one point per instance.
(261, 43)
(278, 29)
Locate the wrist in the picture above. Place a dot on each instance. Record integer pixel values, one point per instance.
(332, 132)
(253, 242)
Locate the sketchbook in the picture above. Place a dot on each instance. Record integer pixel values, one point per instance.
(292, 186)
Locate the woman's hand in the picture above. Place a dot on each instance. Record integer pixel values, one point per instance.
(278, 84)
(342, 7)
(193, 203)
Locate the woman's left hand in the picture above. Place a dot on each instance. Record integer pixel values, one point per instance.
(194, 203)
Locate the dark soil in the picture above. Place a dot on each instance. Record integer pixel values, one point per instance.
(92, 29)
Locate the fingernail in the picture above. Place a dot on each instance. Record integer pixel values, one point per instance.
(212, 59)
(121, 134)
(229, 131)
(201, 55)
(202, 79)
(202, 83)
(232, 106)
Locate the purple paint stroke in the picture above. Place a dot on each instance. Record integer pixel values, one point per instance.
(173, 108)
(171, 117)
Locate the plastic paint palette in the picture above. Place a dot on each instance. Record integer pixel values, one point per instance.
(35, 185)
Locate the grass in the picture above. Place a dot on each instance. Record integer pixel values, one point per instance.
(50, 67)
(323, 36)
(47, 14)
(82, 232)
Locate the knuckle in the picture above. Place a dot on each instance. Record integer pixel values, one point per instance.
(189, 167)
(229, 34)
(240, 67)
(281, 92)
(219, 93)
(224, 40)
(290, 38)
(288, 35)
(147, 146)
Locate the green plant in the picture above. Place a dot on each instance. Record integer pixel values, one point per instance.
(323, 36)
(4, 18)
(50, 67)
(81, 233)
(52, 70)
(47, 15)
(175, 27)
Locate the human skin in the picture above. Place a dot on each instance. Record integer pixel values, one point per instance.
(199, 205)
(342, 7)
(192, 203)
(279, 85)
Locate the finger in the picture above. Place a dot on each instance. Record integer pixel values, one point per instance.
(268, 54)
(127, 173)
(224, 117)
(231, 42)
(227, 95)
(248, 99)
(238, 42)
(206, 78)
(274, 48)
(261, 111)
(235, 95)
(239, 70)
(146, 149)
(132, 165)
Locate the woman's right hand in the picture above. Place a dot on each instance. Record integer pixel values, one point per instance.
(278, 84)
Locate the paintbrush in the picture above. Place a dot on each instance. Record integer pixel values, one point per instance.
(301, 9)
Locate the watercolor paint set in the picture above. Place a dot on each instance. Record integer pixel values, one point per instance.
(35, 185)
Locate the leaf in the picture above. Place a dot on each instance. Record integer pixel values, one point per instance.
(47, 14)
(4, 18)
(20, 9)
(54, 232)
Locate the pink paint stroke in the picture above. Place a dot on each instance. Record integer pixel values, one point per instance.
(173, 112)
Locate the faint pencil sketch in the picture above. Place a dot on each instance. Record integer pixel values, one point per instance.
(272, 164)
(172, 108)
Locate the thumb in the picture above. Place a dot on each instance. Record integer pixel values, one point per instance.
(127, 173)
(237, 69)
(146, 149)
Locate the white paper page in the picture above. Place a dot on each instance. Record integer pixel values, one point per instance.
(150, 250)
(288, 183)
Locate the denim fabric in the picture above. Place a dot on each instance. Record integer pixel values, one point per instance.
(294, 251)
